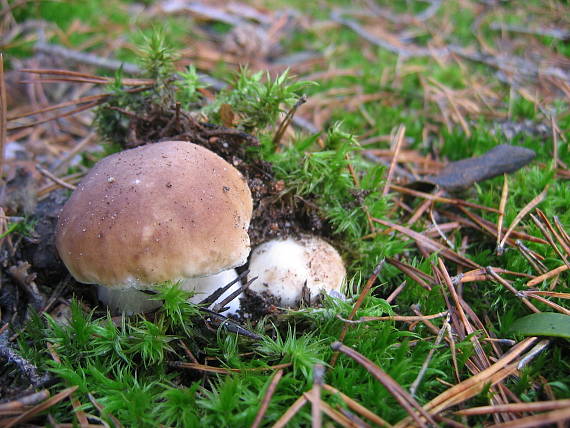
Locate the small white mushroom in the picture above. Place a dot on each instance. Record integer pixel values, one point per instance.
(285, 266)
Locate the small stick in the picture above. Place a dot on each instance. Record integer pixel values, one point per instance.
(188, 352)
(397, 143)
(267, 398)
(53, 178)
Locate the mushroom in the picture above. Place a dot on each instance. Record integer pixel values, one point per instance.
(165, 211)
(284, 267)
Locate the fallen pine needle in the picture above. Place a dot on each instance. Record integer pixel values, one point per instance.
(222, 370)
(394, 318)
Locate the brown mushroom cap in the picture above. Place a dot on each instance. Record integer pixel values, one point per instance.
(159, 212)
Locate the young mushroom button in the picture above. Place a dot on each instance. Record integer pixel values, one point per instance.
(283, 267)
(165, 211)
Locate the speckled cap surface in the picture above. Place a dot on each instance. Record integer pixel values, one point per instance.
(159, 212)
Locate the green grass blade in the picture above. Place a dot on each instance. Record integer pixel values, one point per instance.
(543, 324)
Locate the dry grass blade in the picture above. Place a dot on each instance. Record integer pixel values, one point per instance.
(40, 407)
(547, 275)
(491, 229)
(339, 418)
(396, 146)
(416, 274)
(562, 231)
(537, 406)
(463, 323)
(53, 178)
(533, 258)
(287, 120)
(315, 396)
(474, 385)
(267, 398)
(102, 410)
(26, 400)
(58, 116)
(450, 201)
(395, 318)
(222, 370)
(291, 411)
(399, 393)
(481, 275)
(477, 383)
(82, 100)
(430, 244)
(502, 205)
(552, 230)
(547, 302)
(75, 76)
(547, 233)
(513, 290)
(2, 115)
(547, 293)
(98, 99)
(357, 407)
(357, 305)
(416, 383)
(562, 415)
(528, 207)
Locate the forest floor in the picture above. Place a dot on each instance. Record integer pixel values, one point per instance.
(427, 140)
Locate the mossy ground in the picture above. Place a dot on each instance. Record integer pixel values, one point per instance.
(451, 108)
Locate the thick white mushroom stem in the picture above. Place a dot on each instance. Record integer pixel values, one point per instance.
(205, 286)
(285, 266)
(132, 301)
